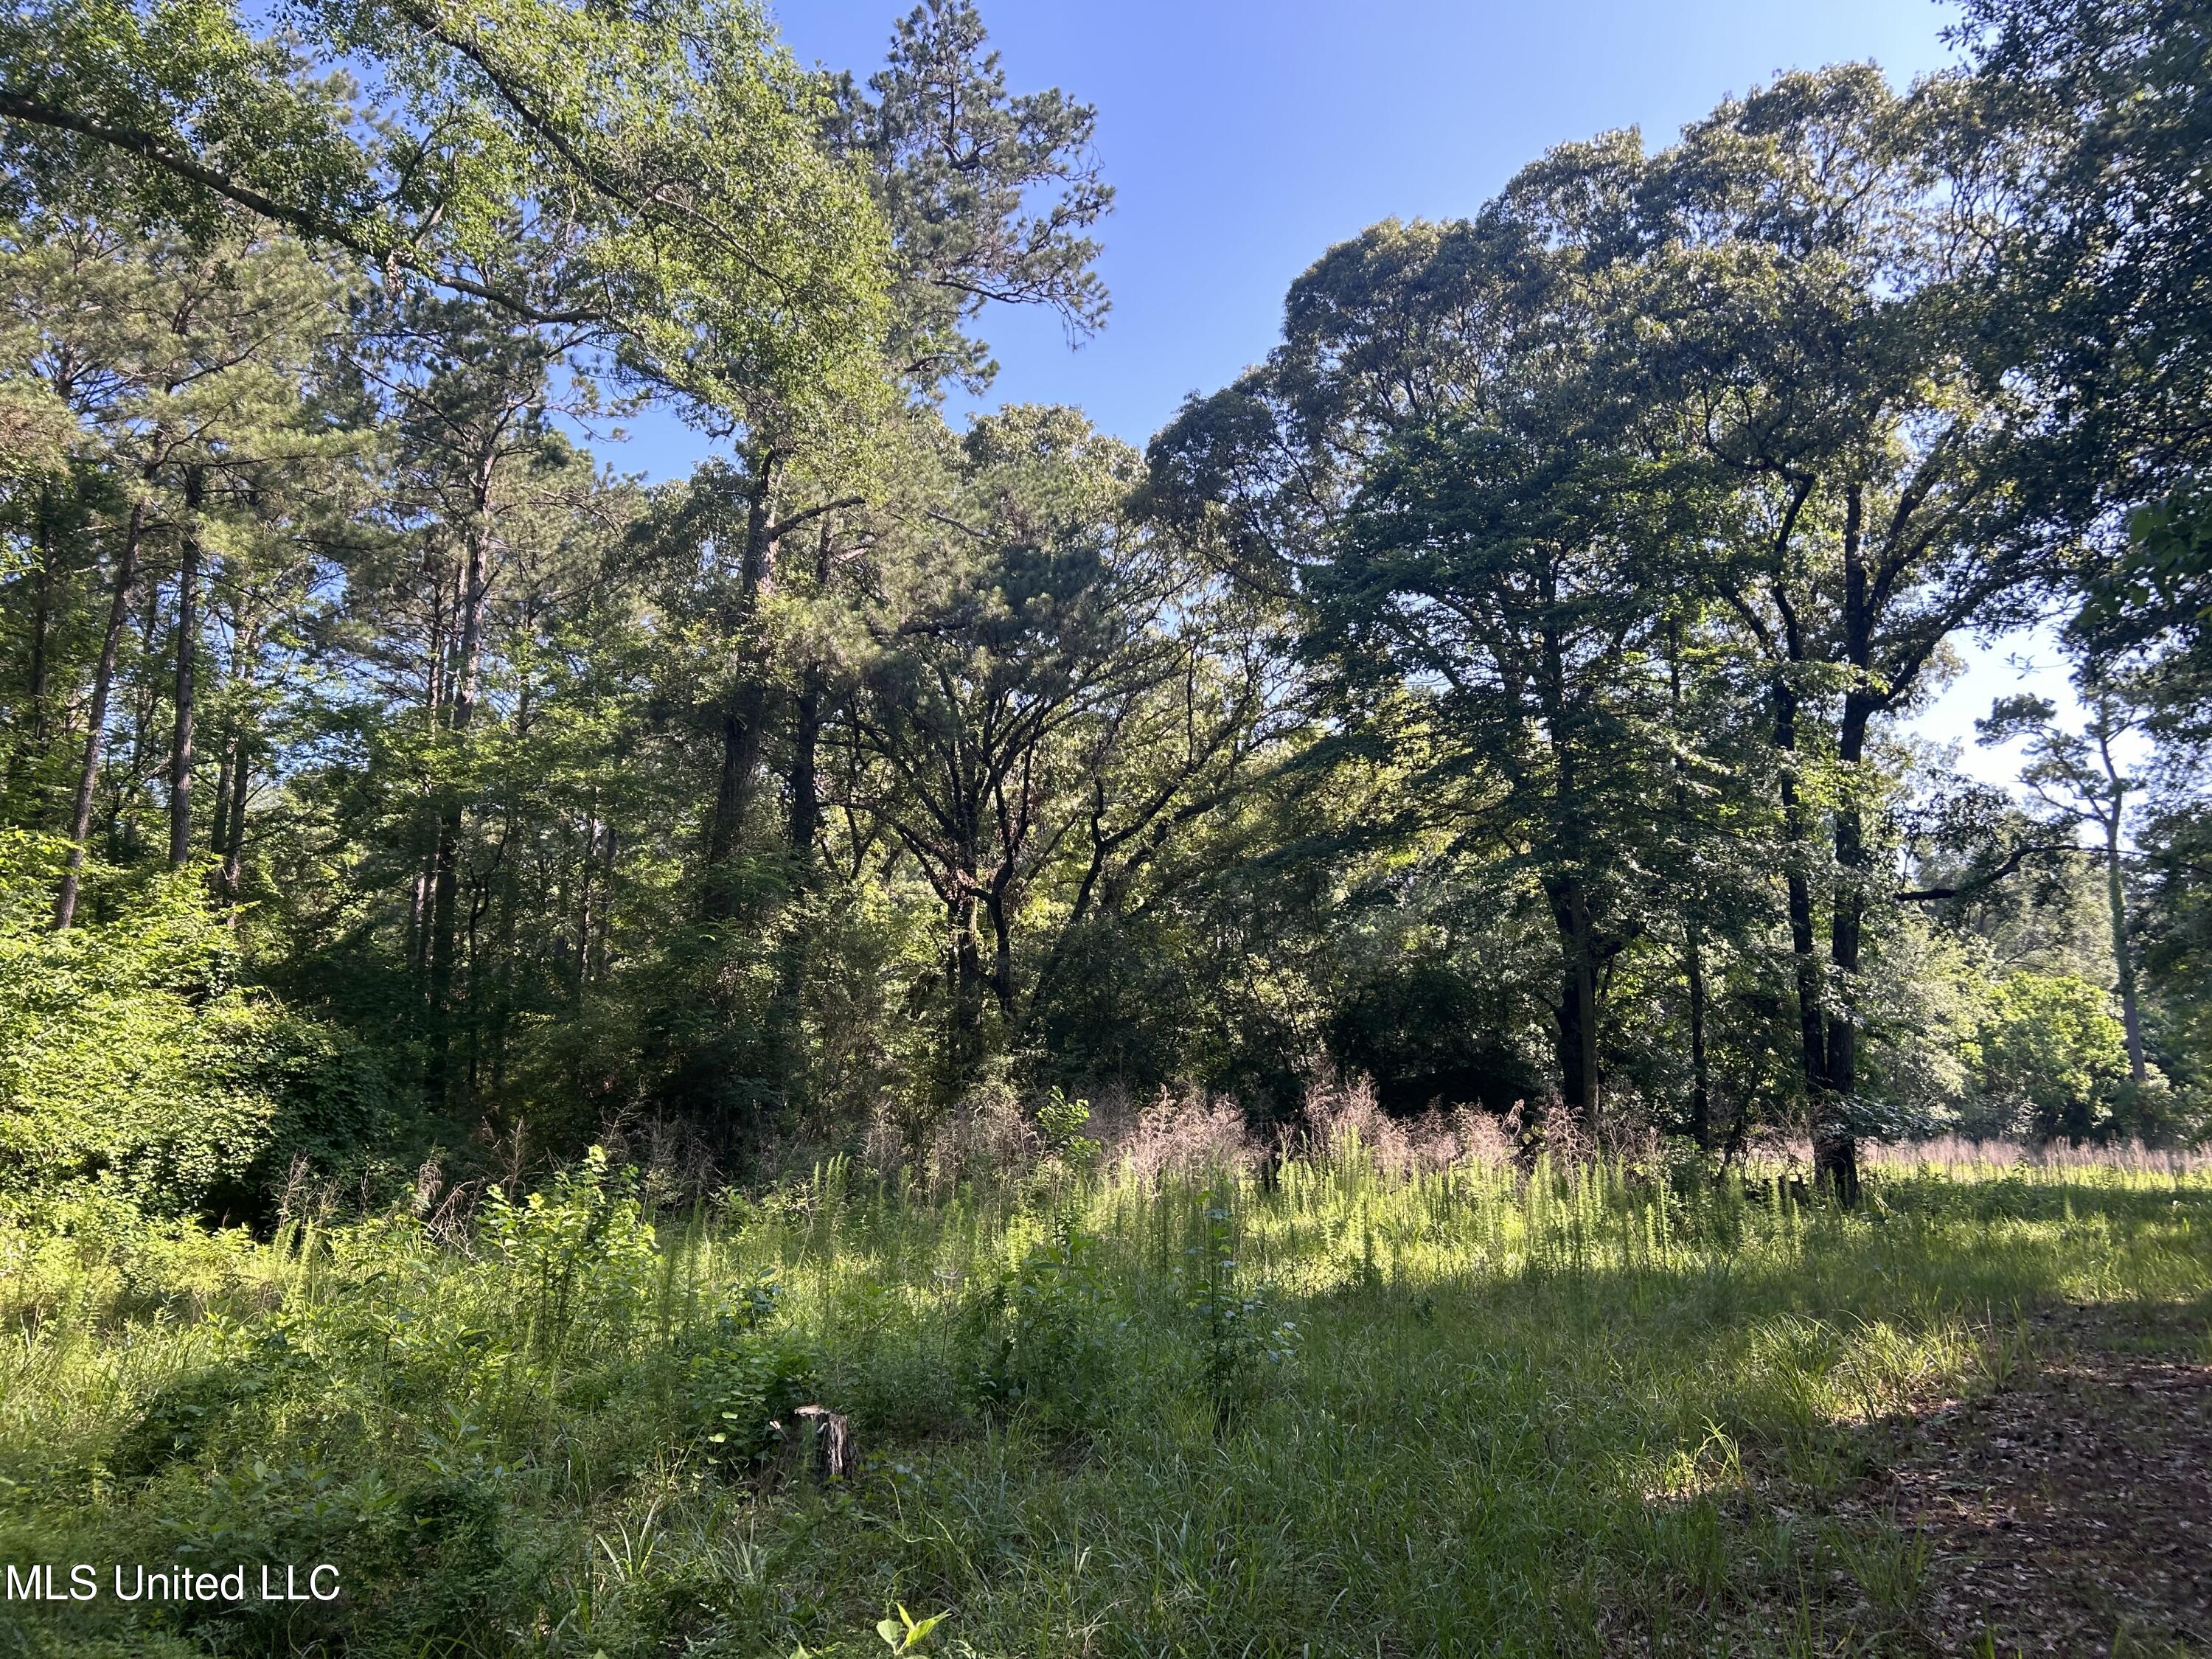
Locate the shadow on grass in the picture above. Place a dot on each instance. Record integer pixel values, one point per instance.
(2066, 1507)
(1506, 1426)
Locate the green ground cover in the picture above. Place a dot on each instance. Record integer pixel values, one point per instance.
(1588, 1410)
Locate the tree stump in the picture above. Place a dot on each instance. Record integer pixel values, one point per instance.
(821, 1443)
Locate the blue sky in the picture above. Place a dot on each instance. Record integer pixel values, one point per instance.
(1244, 138)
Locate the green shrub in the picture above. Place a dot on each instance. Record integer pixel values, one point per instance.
(739, 1382)
(2052, 1057)
(133, 1059)
(1044, 1337)
(579, 1256)
(1060, 1122)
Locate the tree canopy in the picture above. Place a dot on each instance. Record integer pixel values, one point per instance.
(1500, 692)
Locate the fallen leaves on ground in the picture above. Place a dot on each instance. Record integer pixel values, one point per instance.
(2070, 1512)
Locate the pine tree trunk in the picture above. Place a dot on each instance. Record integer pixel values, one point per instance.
(504, 934)
(222, 820)
(1701, 1090)
(586, 884)
(233, 830)
(188, 639)
(445, 882)
(95, 737)
(602, 951)
(2123, 963)
(476, 588)
(418, 932)
(125, 836)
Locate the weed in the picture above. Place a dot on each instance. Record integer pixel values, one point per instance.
(1534, 1405)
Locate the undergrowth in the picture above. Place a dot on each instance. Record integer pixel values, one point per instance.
(1458, 1411)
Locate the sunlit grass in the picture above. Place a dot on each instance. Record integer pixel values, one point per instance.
(1463, 1409)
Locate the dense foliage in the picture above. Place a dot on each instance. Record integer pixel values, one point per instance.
(1497, 694)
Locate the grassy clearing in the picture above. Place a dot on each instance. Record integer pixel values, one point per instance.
(1586, 1410)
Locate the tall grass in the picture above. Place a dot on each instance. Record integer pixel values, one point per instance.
(1351, 1402)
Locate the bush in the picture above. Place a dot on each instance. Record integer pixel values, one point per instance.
(2053, 1059)
(1044, 1338)
(740, 1382)
(134, 1059)
(580, 1257)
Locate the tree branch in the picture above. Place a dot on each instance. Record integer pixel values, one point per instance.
(1987, 880)
(314, 226)
(777, 531)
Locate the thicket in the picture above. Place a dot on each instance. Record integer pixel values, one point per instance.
(136, 1064)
